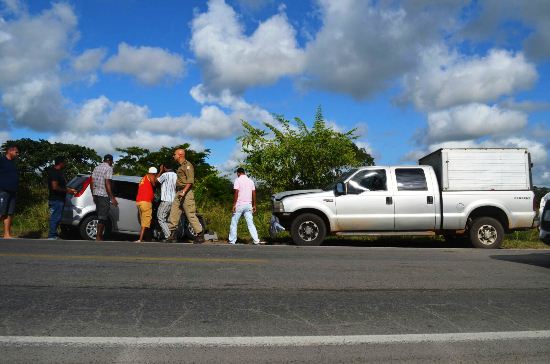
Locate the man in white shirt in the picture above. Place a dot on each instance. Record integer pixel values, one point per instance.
(244, 202)
(167, 179)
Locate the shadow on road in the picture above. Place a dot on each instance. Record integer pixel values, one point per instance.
(383, 242)
(536, 259)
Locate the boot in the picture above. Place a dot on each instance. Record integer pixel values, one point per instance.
(172, 238)
(199, 239)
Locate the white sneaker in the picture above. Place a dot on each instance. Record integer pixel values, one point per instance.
(260, 243)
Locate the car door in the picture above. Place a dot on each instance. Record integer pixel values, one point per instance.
(125, 216)
(414, 199)
(367, 204)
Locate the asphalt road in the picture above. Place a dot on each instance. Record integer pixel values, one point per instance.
(75, 301)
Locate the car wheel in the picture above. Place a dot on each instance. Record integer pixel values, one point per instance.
(486, 233)
(308, 229)
(189, 232)
(88, 228)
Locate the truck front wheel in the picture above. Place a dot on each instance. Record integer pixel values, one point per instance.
(308, 229)
(486, 233)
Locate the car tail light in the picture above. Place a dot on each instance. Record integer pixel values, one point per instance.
(84, 186)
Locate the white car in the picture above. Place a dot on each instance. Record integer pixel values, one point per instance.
(79, 212)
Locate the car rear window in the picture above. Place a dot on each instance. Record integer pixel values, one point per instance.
(77, 182)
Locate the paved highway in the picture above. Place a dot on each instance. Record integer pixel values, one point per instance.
(75, 301)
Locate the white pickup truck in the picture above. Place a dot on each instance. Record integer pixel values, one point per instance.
(476, 193)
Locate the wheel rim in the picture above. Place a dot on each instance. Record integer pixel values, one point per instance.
(91, 229)
(308, 231)
(487, 234)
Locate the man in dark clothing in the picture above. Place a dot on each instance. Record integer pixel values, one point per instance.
(9, 182)
(57, 186)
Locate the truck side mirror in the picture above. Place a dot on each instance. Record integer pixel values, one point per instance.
(340, 189)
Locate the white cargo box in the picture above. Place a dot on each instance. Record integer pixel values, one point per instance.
(477, 169)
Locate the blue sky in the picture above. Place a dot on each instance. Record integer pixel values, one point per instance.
(411, 76)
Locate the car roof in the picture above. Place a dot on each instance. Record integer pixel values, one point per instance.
(116, 177)
(135, 179)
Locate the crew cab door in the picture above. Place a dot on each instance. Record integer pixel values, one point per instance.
(367, 204)
(414, 199)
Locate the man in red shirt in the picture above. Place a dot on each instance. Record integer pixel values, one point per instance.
(144, 201)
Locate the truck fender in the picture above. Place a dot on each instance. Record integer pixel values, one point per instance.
(488, 208)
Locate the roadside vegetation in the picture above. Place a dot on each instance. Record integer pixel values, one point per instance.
(282, 156)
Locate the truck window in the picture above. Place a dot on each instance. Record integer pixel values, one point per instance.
(369, 180)
(411, 179)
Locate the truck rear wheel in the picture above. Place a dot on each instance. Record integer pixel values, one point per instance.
(308, 229)
(486, 233)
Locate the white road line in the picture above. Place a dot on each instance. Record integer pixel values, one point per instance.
(265, 341)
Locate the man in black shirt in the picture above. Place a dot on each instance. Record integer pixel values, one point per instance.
(9, 182)
(57, 186)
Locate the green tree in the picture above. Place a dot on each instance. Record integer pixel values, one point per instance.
(209, 186)
(291, 156)
(36, 156)
(136, 161)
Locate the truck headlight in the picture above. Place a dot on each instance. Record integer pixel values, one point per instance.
(278, 206)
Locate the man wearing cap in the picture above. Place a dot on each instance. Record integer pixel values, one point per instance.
(102, 193)
(144, 201)
(185, 199)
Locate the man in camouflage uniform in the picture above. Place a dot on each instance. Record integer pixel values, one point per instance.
(185, 199)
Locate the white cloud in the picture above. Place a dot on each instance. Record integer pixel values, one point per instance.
(364, 46)
(447, 80)
(131, 123)
(30, 56)
(150, 65)
(491, 23)
(12, 6)
(241, 110)
(525, 106)
(4, 137)
(231, 60)
(236, 159)
(89, 60)
(472, 121)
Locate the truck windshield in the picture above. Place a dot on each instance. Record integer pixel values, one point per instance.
(342, 178)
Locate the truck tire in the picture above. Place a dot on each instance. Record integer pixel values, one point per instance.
(308, 229)
(486, 233)
(88, 228)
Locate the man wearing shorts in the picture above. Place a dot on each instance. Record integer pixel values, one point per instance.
(103, 193)
(144, 201)
(9, 182)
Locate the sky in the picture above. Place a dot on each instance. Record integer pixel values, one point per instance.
(411, 76)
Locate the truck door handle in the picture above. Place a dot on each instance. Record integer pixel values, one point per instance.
(430, 200)
(389, 200)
